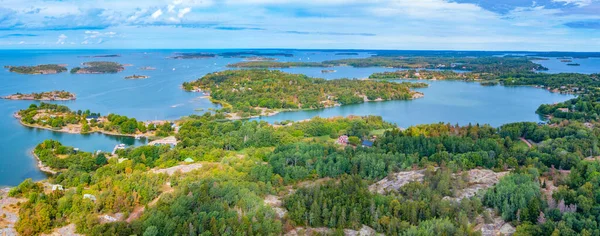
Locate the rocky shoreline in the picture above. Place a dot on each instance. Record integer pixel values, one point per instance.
(44, 96)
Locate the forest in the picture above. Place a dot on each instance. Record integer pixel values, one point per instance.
(427, 75)
(245, 162)
(248, 92)
(58, 117)
(492, 65)
(98, 67)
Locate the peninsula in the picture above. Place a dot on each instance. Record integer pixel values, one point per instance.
(38, 70)
(259, 92)
(43, 96)
(98, 67)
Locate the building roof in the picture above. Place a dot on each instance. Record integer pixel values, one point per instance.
(367, 143)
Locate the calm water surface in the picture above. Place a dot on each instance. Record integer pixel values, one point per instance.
(160, 97)
(587, 66)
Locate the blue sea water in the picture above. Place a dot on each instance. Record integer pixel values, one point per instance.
(587, 65)
(161, 97)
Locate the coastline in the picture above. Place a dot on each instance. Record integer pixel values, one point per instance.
(72, 132)
(41, 99)
(414, 95)
(41, 165)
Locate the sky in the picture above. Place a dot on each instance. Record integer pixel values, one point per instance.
(543, 25)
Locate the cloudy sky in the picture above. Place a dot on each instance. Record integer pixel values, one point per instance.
(564, 25)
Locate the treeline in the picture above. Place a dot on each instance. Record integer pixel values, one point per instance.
(59, 116)
(493, 65)
(98, 67)
(39, 69)
(485, 64)
(562, 82)
(242, 91)
(426, 74)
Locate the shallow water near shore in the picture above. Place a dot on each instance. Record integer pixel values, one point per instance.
(161, 97)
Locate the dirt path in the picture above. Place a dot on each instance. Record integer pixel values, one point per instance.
(526, 142)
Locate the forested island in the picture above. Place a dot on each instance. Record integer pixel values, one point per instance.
(245, 54)
(246, 93)
(275, 64)
(493, 65)
(43, 96)
(193, 55)
(60, 118)
(38, 70)
(426, 75)
(98, 67)
(137, 77)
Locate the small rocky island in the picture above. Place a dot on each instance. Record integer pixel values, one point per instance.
(137, 77)
(43, 96)
(38, 70)
(98, 67)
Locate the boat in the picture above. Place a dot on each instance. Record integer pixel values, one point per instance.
(573, 64)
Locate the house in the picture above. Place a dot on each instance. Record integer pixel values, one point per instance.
(563, 109)
(342, 140)
(57, 187)
(89, 196)
(91, 117)
(367, 143)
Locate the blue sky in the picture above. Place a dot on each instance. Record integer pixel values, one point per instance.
(562, 25)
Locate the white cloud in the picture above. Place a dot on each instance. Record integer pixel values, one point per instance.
(22, 42)
(157, 13)
(171, 8)
(184, 11)
(579, 3)
(194, 3)
(61, 39)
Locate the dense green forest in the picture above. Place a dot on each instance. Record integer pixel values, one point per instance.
(244, 162)
(39, 69)
(246, 92)
(98, 67)
(428, 75)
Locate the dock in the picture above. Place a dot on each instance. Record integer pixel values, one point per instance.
(118, 147)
